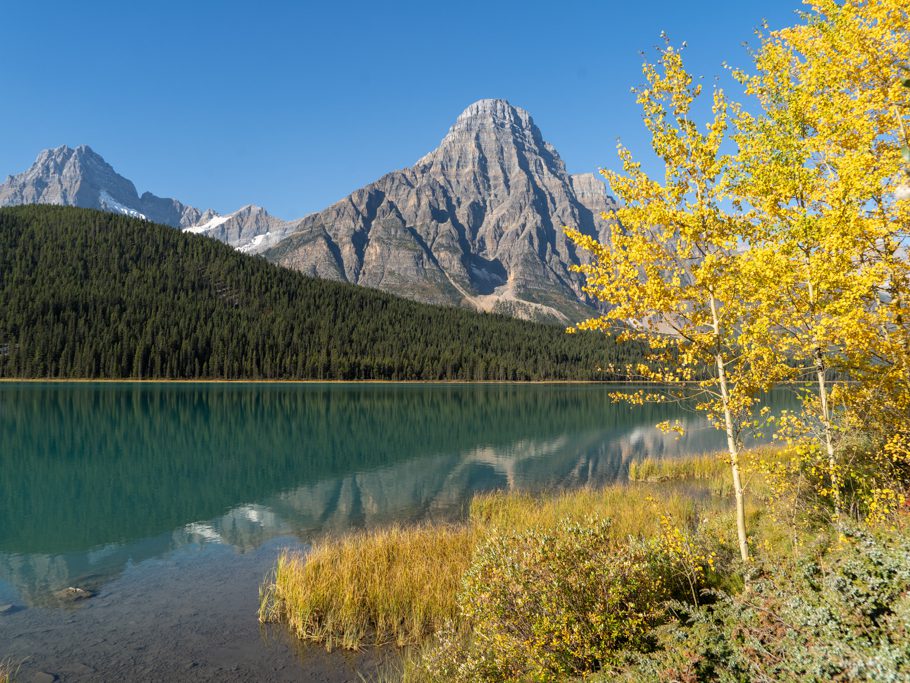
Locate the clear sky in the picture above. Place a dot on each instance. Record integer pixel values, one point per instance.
(292, 105)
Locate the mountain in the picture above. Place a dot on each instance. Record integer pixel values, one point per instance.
(250, 229)
(97, 294)
(475, 223)
(80, 177)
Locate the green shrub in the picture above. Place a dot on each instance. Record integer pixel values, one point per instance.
(544, 604)
(840, 615)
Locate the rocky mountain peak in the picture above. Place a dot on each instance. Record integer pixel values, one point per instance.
(493, 112)
(65, 158)
(477, 222)
(80, 177)
(249, 229)
(494, 129)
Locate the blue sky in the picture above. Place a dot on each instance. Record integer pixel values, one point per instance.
(292, 105)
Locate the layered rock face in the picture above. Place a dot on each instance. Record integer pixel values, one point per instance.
(80, 177)
(475, 223)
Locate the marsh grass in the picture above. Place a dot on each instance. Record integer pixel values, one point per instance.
(633, 510)
(400, 585)
(371, 587)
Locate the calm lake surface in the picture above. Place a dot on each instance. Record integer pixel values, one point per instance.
(171, 502)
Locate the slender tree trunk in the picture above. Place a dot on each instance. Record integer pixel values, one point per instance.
(732, 444)
(826, 429)
(827, 439)
(733, 449)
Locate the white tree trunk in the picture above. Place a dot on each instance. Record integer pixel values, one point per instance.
(732, 442)
(828, 438)
(733, 449)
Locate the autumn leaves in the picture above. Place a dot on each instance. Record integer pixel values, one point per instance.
(774, 247)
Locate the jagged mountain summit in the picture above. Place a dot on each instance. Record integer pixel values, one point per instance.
(80, 177)
(477, 223)
(250, 229)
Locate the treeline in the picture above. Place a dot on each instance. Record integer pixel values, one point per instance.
(88, 294)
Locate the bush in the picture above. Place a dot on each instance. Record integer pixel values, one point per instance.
(843, 615)
(544, 604)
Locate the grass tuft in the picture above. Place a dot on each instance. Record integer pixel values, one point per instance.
(371, 587)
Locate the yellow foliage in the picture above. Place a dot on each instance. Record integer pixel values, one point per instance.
(675, 273)
(816, 173)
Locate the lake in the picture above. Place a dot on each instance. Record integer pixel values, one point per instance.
(171, 502)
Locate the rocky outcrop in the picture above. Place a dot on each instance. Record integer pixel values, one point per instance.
(477, 223)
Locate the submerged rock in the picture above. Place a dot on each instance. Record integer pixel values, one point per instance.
(72, 594)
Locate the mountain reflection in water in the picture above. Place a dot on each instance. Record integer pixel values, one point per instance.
(98, 476)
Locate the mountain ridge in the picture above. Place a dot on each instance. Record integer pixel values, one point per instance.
(475, 223)
(78, 176)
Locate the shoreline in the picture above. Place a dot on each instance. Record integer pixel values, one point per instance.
(38, 380)
(127, 380)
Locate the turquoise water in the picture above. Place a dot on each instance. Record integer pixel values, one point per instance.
(104, 484)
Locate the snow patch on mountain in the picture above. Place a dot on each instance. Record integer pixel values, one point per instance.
(209, 224)
(255, 243)
(110, 204)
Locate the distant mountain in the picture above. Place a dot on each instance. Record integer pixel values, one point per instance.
(92, 294)
(250, 229)
(80, 177)
(476, 223)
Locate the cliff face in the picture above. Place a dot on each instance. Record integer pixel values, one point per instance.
(477, 222)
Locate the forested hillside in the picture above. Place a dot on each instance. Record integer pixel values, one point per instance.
(97, 295)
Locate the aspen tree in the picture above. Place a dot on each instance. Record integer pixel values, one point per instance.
(819, 170)
(671, 272)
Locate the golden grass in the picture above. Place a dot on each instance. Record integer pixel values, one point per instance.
(633, 510)
(400, 584)
(708, 466)
(390, 585)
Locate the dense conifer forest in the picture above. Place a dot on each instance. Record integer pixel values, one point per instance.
(88, 294)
